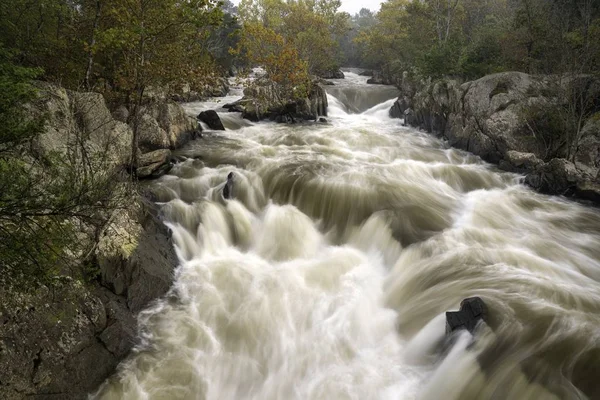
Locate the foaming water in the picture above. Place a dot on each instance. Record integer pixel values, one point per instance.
(328, 274)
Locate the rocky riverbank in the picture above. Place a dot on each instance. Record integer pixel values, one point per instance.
(511, 119)
(63, 339)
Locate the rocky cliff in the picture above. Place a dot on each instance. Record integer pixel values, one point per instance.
(511, 119)
(60, 341)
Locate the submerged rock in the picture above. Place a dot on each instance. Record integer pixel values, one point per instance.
(211, 118)
(472, 311)
(228, 188)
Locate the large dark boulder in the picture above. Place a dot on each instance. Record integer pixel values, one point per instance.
(211, 118)
(472, 312)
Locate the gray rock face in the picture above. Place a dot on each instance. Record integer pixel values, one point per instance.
(488, 117)
(74, 119)
(164, 125)
(216, 87)
(154, 164)
(269, 101)
(379, 78)
(63, 341)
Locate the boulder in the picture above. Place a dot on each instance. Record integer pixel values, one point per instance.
(63, 342)
(268, 100)
(379, 78)
(333, 74)
(136, 257)
(154, 164)
(472, 312)
(74, 119)
(366, 72)
(211, 118)
(164, 125)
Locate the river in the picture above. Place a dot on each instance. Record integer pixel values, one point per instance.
(329, 273)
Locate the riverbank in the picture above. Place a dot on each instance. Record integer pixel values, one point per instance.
(522, 123)
(65, 336)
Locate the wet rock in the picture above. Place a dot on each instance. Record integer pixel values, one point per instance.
(211, 118)
(472, 311)
(322, 120)
(490, 117)
(268, 100)
(136, 257)
(154, 164)
(334, 74)
(560, 176)
(228, 188)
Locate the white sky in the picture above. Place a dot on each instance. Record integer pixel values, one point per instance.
(354, 6)
(350, 6)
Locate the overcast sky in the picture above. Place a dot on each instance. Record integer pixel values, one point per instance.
(354, 6)
(350, 6)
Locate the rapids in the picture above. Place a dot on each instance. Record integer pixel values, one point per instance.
(328, 275)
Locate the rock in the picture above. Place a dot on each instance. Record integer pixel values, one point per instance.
(121, 114)
(334, 74)
(492, 117)
(378, 78)
(366, 72)
(472, 311)
(516, 161)
(228, 188)
(234, 107)
(154, 164)
(211, 118)
(322, 120)
(268, 100)
(164, 125)
(74, 118)
(48, 342)
(324, 82)
(136, 257)
(558, 176)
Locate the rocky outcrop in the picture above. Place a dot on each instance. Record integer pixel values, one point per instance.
(211, 118)
(493, 118)
(63, 339)
(164, 125)
(333, 74)
(379, 78)
(77, 120)
(267, 100)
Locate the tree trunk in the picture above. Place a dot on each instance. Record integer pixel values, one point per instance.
(90, 64)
